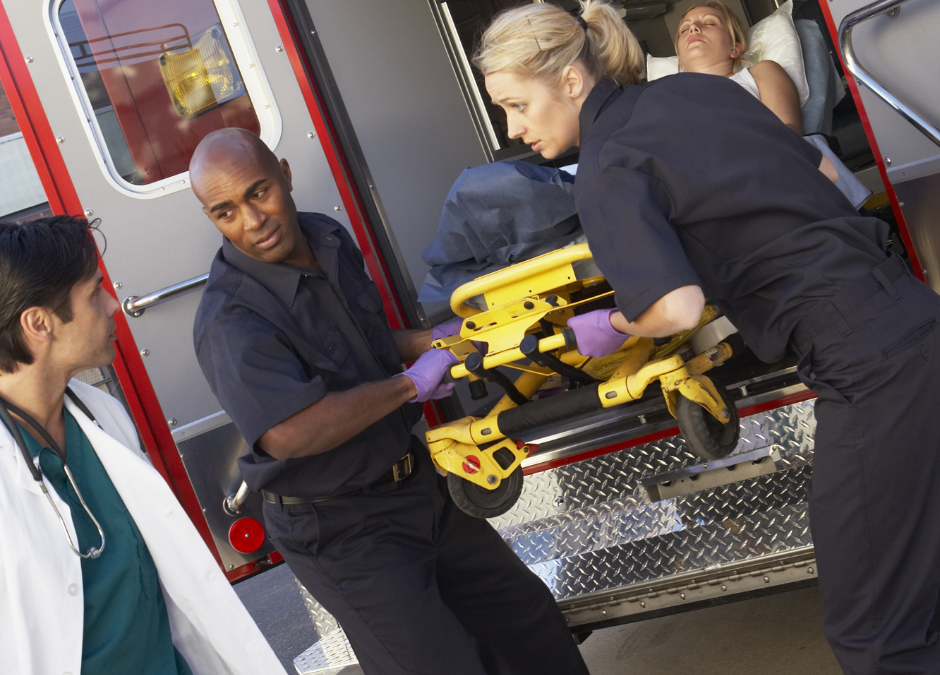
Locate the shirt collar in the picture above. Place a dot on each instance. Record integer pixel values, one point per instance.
(282, 280)
(602, 95)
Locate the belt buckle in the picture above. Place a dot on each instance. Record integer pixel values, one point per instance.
(402, 469)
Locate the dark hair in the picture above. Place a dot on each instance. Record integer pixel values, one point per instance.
(40, 261)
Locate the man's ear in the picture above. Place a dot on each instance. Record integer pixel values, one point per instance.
(572, 80)
(37, 326)
(285, 169)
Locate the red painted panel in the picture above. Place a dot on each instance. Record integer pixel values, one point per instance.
(873, 142)
(60, 192)
(125, 39)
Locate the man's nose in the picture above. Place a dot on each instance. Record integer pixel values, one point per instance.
(253, 218)
(113, 305)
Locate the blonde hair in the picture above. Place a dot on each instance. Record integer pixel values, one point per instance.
(540, 40)
(735, 27)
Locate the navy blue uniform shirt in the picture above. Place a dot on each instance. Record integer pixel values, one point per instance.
(690, 180)
(273, 339)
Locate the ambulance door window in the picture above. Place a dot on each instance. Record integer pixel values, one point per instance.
(158, 77)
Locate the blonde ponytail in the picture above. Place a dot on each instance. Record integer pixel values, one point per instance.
(540, 40)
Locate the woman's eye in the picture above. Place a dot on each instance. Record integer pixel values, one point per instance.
(519, 107)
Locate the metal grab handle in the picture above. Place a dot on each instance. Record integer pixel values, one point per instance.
(233, 504)
(135, 305)
(855, 68)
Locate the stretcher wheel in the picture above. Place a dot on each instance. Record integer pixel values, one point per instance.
(479, 502)
(707, 437)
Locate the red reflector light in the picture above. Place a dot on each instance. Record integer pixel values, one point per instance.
(246, 535)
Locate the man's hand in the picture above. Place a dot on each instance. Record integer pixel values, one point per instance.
(595, 336)
(445, 330)
(427, 373)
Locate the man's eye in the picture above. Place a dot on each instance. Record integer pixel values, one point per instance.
(260, 193)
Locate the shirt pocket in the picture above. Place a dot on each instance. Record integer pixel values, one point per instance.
(372, 318)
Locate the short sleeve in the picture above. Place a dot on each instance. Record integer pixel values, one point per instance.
(255, 374)
(623, 212)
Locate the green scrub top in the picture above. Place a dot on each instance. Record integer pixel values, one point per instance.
(127, 629)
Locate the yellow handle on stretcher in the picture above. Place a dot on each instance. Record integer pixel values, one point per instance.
(546, 344)
(514, 274)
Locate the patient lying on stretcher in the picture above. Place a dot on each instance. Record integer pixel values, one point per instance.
(711, 39)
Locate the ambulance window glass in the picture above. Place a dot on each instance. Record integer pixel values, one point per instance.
(159, 76)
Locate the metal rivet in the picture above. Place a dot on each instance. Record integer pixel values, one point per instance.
(724, 588)
(901, 204)
(59, 139)
(337, 208)
(231, 567)
(682, 595)
(766, 580)
(559, 501)
(887, 161)
(809, 570)
(311, 134)
(604, 612)
(642, 419)
(491, 480)
(145, 352)
(118, 285)
(89, 213)
(29, 59)
(279, 48)
(171, 421)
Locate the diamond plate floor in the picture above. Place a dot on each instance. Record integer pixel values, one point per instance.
(590, 527)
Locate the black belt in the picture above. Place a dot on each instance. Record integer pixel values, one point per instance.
(399, 472)
(832, 312)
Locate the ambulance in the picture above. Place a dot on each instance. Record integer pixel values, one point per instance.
(378, 110)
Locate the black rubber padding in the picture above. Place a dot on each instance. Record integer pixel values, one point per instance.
(530, 348)
(546, 410)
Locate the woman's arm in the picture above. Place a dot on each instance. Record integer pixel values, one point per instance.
(778, 93)
(676, 311)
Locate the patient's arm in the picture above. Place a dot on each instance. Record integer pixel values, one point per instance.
(778, 93)
(676, 311)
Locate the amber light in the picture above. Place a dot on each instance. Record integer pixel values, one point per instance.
(202, 76)
(246, 535)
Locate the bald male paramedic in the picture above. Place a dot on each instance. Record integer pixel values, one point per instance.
(292, 337)
(121, 583)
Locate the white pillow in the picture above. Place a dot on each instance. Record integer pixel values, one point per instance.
(660, 66)
(773, 38)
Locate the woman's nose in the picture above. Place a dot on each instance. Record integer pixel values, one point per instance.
(514, 129)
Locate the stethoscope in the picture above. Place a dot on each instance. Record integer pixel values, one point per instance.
(5, 409)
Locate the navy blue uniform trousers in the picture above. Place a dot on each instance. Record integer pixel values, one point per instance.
(420, 587)
(872, 354)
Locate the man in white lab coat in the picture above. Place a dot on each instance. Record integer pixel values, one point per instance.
(101, 570)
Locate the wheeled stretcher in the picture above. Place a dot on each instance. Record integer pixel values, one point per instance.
(523, 326)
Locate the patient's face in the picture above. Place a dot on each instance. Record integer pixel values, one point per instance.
(704, 40)
(544, 117)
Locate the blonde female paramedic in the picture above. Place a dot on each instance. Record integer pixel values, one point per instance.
(689, 187)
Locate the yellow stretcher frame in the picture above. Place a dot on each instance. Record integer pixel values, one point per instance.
(520, 300)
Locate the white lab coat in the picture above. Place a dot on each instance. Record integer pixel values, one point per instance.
(41, 600)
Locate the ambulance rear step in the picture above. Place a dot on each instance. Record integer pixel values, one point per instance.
(649, 529)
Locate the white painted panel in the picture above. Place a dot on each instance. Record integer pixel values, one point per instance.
(20, 187)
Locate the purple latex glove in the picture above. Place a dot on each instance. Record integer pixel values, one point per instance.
(595, 336)
(445, 330)
(427, 373)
